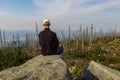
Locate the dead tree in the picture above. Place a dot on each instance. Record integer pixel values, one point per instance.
(87, 34)
(81, 38)
(80, 33)
(76, 41)
(18, 39)
(69, 34)
(91, 35)
(63, 38)
(83, 41)
(37, 38)
(13, 42)
(32, 39)
(1, 41)
(27, 41)
(4, 38)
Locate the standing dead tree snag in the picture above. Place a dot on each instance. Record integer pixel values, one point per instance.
(91, 35)
(1, 41)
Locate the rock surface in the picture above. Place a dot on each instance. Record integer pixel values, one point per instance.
(96, 71)
(39, 68)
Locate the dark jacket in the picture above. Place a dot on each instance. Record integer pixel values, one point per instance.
(48, 42)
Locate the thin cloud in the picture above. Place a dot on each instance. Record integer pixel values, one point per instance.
(72, 8)
(56, 8)
(5, 13)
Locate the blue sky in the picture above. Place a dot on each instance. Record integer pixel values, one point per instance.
(17, 6)
(22, 14)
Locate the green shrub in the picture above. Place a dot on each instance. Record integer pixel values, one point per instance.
(10, 57)
(78, 70)
(116, 67)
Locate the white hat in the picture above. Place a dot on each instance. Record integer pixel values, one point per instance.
(46, 21)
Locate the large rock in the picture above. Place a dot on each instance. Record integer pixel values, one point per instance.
(39, 68)
(96, 71)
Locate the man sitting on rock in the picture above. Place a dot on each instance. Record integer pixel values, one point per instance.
(48, 41)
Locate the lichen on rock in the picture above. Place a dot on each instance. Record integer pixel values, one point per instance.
(97, 71)
(39, 68)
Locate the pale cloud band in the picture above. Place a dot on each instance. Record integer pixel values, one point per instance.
(71, 8)
(4, 13)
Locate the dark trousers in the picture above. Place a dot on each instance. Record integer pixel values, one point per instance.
(60, 49)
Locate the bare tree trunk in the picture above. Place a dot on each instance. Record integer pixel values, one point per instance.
(87, 34)
(35, 43)
(77, 42)
(27, 41)
(32, 39)
(18, 39)
(63, 38)
(69, 34)
(13, 42)
(37, 38)
(83, 41)
(91, 35)
(4, 39)
(80, 33)
(1, 41)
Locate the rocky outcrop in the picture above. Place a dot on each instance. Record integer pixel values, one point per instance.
(54, 68)
(96, 71)
(39, 68)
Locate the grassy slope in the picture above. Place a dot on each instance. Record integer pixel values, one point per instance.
(105, 51)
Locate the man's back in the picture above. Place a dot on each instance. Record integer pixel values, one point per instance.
(48, 42)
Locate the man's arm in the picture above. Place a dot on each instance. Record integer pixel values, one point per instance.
(56, 42)
(39, 39)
